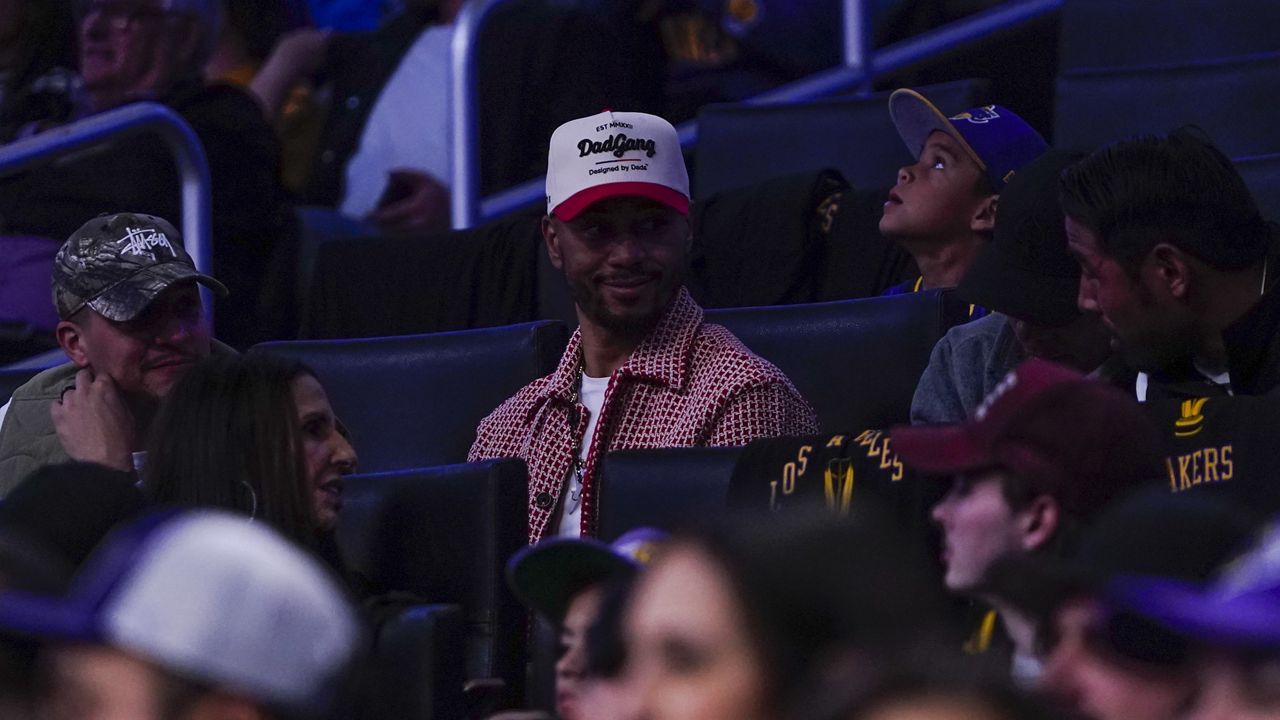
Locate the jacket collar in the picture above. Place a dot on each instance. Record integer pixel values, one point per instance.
(1250, 341)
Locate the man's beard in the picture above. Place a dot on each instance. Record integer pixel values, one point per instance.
(635, 327)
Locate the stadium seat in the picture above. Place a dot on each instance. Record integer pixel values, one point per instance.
(444, 534)
(856, 361)
(413, 672)
(662, 488)
(1262, 174)
(1095, 107)
(740, 144)
(415, 400)
(1119, 33)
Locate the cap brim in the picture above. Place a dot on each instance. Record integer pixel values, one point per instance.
(126, 299)
(573, 205)
(939, 449)
(546, 576)
(45, 618)
(997, 283)
(915, 118)
(1249, 620)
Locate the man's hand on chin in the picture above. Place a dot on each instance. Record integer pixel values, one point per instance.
(93, 422)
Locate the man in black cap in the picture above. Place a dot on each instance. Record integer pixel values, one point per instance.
(1029, 281)
(131, 322)
(1110, 665)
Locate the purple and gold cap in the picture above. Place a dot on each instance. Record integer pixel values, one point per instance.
(994, 136)
(548, 575)
(117, 264)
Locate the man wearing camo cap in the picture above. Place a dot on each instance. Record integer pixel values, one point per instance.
(131, 322)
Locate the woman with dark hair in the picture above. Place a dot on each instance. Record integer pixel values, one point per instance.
(254, 434)
(755, 618)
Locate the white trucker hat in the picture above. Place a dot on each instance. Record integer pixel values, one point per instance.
(209, 596)
(615, 154)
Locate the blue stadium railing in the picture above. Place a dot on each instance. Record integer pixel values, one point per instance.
(861, 66)
(135, 119)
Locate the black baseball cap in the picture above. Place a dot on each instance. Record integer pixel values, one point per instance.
(117, 264)
(1151, 533)
(1026, 271)
(546, 576)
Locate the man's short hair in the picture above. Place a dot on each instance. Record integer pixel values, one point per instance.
(1178, 189)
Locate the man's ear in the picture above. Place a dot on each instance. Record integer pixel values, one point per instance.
(984, 216)
(1171, 268)
(551, 237)
(1038, 522)
(71, 339)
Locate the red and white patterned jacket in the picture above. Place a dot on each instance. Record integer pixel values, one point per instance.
(688, 383)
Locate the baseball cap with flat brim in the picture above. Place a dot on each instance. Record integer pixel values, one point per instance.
(118, 264)
(1026, 272)
(996, 139)
(548, 575)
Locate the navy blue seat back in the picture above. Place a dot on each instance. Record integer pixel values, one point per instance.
(445, 534)
(415, 400)
(741, 144)
(1118, 33)
(1262, 174)
(1223, 97)
(856, 361)
(662, 488)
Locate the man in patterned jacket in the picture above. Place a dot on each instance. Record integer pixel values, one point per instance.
(643, 370)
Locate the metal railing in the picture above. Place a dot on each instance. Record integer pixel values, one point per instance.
(861, 66)
(120, 123)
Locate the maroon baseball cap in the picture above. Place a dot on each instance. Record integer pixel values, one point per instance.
(1079, 440)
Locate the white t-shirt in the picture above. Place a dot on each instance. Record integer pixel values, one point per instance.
(4, 410)
(569, 524)
(410, 124)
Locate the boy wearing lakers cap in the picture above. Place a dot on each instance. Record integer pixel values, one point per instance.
(942, 209)
(643, 370)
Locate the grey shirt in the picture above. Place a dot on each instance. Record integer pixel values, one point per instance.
(966, 364)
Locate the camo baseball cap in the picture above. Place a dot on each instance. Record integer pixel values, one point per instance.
(117, 264)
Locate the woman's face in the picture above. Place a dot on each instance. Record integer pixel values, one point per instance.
(689, 654)
(328, 454)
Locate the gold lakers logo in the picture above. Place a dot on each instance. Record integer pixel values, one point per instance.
(837, 481)
(1192, 420)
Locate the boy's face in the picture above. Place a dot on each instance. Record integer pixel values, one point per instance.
(938, 196)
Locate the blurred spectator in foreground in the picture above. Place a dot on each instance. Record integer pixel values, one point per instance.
(643, 370)
(1174, 255)
(566, 580)
(131, 324)
(1106, 665)
(136, 50)
(195, 615)
(1029, 282)
(1044, 453)
(943, 208)
(256, 435)
(1234, 624)
(758, 617)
